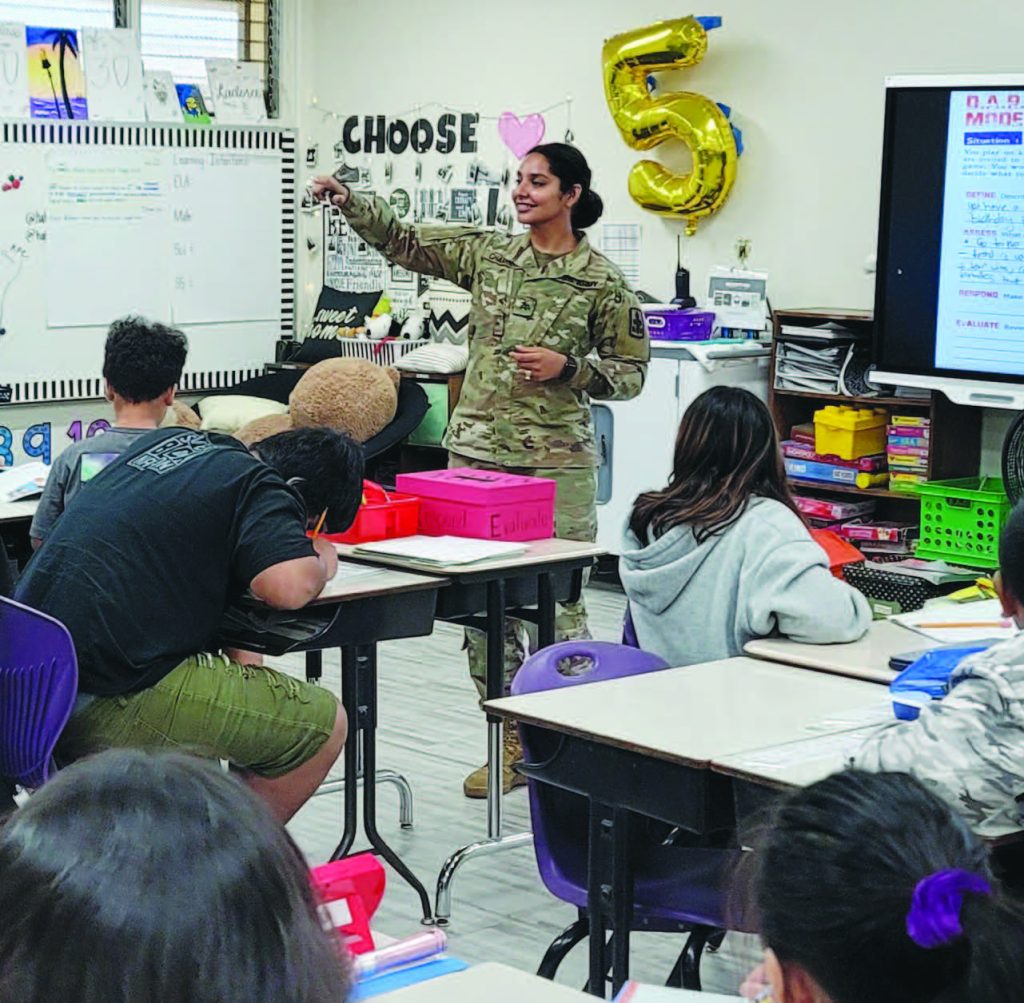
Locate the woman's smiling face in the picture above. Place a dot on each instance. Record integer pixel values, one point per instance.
(538, 195)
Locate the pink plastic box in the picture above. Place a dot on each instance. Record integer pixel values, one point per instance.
(484, 504)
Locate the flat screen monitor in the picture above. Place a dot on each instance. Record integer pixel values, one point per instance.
(949, 295)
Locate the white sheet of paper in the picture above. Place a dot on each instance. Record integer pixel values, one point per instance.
(350, 572)
(161, 97)
(113, 75)
(112, 202)
(23, 481)
(236, 92)
(620, 243)
(842, 745)
(874, 713)
(986, 612)
(13, 71)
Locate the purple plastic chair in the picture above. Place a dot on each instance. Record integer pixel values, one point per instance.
(38, 685)
(676, 888)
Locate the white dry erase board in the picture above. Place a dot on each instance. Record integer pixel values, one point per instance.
(189, 226)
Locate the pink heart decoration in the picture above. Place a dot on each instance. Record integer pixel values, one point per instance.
(520, 135)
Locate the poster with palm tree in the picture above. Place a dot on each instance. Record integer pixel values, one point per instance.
(56, 85)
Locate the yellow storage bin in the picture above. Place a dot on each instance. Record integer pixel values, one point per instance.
(849, 432)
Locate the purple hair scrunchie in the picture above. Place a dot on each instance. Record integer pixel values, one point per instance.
(934, 917)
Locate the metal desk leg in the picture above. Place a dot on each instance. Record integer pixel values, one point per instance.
(404, 795)
(367, 661)
(350, 701)
(609, 896)
(545, 611)
(314, 666)
(495, 688)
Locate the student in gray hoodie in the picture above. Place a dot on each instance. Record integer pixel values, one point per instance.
(722, 555)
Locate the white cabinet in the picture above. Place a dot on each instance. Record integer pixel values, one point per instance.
(636, 438)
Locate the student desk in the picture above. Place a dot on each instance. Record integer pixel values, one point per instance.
(358, 608)
(496, 983)
(549, 571)
(645, 744)
(488, 983)
(18, 510)
(867, 658)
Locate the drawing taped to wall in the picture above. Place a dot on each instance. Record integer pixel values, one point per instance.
(56, 85)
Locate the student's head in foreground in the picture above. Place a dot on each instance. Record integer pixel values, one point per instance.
(134, 877)
(142, 362)
(1009, 579)
(869, 889)
(726, 452)
(324, 466)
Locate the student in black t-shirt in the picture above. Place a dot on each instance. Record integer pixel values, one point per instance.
(141, 570)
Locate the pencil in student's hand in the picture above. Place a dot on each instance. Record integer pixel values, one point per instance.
(967, 624)
(320, 524)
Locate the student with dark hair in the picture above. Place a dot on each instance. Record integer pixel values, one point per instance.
(552, 325)
(142, 365)
(869, 889)
(134, 877)
(721, 555)
(142, 569)
(967, 747)
(323, 466)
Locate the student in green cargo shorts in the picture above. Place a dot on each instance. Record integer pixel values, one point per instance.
(552, 325)
(141, 569)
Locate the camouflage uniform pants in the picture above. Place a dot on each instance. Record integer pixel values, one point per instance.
(575, 519)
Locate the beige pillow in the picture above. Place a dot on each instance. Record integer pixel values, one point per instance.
(230, 412)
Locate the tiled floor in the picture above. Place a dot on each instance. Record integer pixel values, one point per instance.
(431, 730)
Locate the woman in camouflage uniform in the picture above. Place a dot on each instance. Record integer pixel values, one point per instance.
(552, 324)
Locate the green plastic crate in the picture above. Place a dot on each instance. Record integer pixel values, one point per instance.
(961, 520)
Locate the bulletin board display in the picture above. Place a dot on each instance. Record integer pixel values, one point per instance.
(189, 226)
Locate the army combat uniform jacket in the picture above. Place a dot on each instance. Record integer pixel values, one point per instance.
(577, 304)
(969, 746)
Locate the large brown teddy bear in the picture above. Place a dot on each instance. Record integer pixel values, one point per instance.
(263, 428)
(352, 396)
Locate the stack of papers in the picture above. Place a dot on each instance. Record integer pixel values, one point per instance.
(813, 358)
(440, 550)
(24, 481)
(934, 572)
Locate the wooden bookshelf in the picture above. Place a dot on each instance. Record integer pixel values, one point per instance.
(955, 432)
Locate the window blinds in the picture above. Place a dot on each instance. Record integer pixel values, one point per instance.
(68, 14)
(179, 35)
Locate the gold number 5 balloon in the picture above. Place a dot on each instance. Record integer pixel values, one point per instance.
(645, 121)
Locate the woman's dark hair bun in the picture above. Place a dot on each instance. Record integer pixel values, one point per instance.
(587, 211)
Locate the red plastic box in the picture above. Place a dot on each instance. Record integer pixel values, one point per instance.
(350, 890)
(483, 504)
(383, 515)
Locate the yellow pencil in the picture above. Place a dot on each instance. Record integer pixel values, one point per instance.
(320, 524)
(966, 624)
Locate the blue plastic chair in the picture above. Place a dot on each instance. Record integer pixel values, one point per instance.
(676, 889)
(38, 686)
